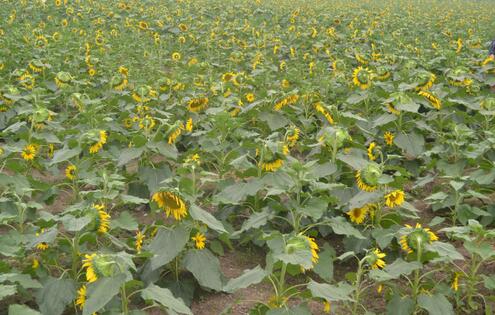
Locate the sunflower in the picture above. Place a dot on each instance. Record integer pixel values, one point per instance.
(394, 198)
(314, 249)
(27, 80)
(285, 84)
(81, 297)
(228, 76)
(183, 27)
(143, 25)
(366, 184)
(147, 123)
(389, 138)
(70, 172)
(373, 151)
(320, 109)
(415, 237)
(289, 100)
(249, 97)
(29, 152)
(41, 245)
(199, 240)
(361, 77)
(272, 165)
(171, 203)
(98, 145)
(197, 104)
(455, 281)
(293, 136)
(391, 108)
(375, 259)
(35, 264)
(91, 275)
(139, 241)
(357, 215)
(92, 72)
(428, 84)
(176, 56)
(103, 220)
(189, 125)
(175, 134)
(326, 307)
(434, 101)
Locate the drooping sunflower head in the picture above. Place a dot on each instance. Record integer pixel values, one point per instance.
(373, 151)
(101, 218)
(362, 77)
(425, 80)
(367, 178)
(138, 243)
(375, 259)
(171, 203)
(81, 297)
(415, 238)
(62, 79)
(302, 242)
(292, 136)
(197, 104)
(389, 138)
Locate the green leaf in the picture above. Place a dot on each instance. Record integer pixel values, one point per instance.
(395, 270)
(17, 309)
(73, 224)
(129, 154)
(55, 295)
(383, 237)
(64, 155)
(412, 143)
(134, 200)
(207, 218)
(400, 306)
(436, 304)
(165, 297)
(315, 208)
(166, 245)
(23, 280)
(237, 192)
(7, 290)
(125, 221)
(324, 267)
(445, 250)
(249, 277)
(205, 267)
(484, 250)
(329, 292)
(99, 293)
(489, 282)
(47, 237)
(256, 220)
(355, 161)
(341, 227)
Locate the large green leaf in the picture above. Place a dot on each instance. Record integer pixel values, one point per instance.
(412, 143)
(125, 221)
(7, 290)
(341, 227)
(207, 218)
(166, 245)
(205, 267)
(64, 154)
(256, 220)
(298, 310)
(400, 306)
(237, 192)
(395, 270)
(324, 267)
(55, 295)
(436, 304)
(99, 293)
(164, 297)
(17, 309)
(329, 292)
(249, 277)
(128, 154)
(22, 279)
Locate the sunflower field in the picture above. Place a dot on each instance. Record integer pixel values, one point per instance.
(247, 157)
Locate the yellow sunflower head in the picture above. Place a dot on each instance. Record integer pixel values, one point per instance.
(171, 203)
(375, 259)
(415, 238)
(362, 77)
(394, 198)
(199, 240)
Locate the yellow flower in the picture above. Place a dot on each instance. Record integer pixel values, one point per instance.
(314, 249)
(175, 134)
(379, 289)
(326, 307)
(199, 239)
(455, 282)
(416, 236)
(389, 138)
(197, 104)
(361, 77)
(103, 220)
(35, 263)
(320, 109)
(357, 215)
(372, 153)
(139, 241)
(285, 84)
(29, 152)
(189, 125)
(176, 56)
(143, 25)
(250, 97)
(228, 76)
(393, 110)
(97, 146)
(293, 137)
(362, 185)
(171, 203)
(81, 297)
(394, 198)
(90, 270)
(289, 100)
(434, 101)
(272, 166)
(377, 261)
(70, 172)
(92, 72)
